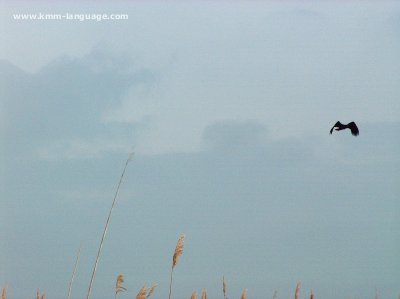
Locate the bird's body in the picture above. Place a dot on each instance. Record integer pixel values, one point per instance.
(352, 126)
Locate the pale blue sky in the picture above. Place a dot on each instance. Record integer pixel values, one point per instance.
(228, 107)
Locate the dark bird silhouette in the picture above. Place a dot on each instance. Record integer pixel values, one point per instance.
(352, 126)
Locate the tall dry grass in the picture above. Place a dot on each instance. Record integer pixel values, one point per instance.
(312, 294)
(204, 294)
(244, 294)
(73, 273)
(177, 253)
(194, 295)
(106, 227)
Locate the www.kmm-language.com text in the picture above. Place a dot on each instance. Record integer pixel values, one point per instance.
(70, 17)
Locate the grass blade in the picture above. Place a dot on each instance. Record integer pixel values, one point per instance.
(106, 227)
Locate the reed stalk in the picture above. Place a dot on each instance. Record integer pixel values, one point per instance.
(106, 228)
(73, 273)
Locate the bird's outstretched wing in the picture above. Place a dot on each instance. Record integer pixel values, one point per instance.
(337, 123)
(353, 128)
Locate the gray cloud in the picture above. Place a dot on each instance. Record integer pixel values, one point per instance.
(232, 136)
(66, 99)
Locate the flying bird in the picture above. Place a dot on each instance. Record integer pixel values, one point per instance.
(352, 126)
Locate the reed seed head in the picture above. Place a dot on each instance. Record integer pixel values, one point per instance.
(178, 251)
(43, 296)
(4, 293)
(118, 284)
(194, 295)
(244, 293)
(153, 287)
(142, 292)
(297, 291)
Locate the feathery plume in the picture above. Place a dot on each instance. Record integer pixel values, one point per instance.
(204, 294)
(244, 293)
(153, 287)
(38, 296)
(4, 293)
(177, 253)
(142, 292)
(118, 285)
(297, 291)
(178, 250)
(194, 295)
